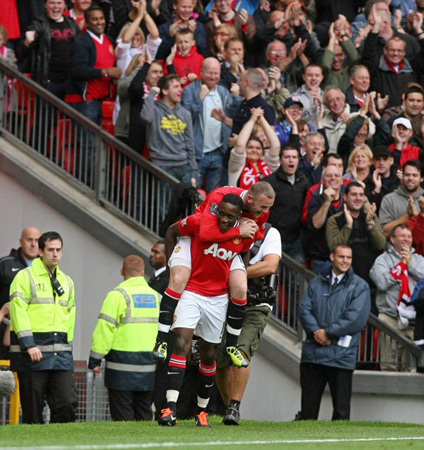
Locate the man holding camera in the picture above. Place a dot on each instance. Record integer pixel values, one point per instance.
(42, 310)
(265, 256)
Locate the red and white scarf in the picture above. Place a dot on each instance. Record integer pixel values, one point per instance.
(406, 311)
(252, 173)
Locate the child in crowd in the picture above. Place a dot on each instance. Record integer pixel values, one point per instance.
(184, 57)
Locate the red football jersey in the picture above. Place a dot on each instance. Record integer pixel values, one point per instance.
(210, 261)
(209, 230)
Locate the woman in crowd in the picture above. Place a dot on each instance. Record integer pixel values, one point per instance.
(249, 160)
(359, 163)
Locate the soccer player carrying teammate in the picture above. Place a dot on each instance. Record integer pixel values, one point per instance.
(203, 304)
(256, 204)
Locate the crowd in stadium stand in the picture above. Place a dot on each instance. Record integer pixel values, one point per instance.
(322, 98)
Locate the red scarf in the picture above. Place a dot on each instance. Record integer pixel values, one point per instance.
(392, 67)
(400, 272)
(252, 175)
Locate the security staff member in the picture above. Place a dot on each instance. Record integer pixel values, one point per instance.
(42, 311)
(125, 334)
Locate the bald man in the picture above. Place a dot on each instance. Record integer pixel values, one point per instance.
(125, 335)
(18, 259)
(10, 265)
(202, 98)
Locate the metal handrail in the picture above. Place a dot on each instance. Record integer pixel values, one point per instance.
(294, 278)
(119, 178)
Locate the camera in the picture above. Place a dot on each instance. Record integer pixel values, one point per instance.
(57, 287)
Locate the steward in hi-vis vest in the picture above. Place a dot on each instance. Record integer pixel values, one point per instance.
(42, 311)
(125, 334)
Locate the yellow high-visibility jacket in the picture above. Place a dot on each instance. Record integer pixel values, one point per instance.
(41, 318)
(125, 335)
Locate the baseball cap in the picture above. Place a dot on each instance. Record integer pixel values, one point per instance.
(292, 100)
(382, 150)
(403, 121)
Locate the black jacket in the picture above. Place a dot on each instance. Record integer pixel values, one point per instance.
(41, 47)
(9, 266)
(286, 213)
(84, 57)
(383, 79)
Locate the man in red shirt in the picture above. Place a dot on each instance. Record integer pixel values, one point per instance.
(257, 202)
(92, 71)
(204, 302)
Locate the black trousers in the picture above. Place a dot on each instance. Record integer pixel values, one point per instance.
(130, 405)
(313, 379)
(55, 386)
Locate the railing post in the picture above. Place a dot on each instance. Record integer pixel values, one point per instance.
(100, 167)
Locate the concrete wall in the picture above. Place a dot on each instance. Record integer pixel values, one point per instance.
(92, 265)
(274, 396)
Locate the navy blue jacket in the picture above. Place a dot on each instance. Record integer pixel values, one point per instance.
(342, 311)
(84, 57)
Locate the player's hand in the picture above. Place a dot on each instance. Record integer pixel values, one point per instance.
(35, 354)
(248, 228)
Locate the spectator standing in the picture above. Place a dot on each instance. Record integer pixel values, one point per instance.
(125, 332)
(335, 54)
(249, 161)
(310, 93)
(324, 203)
(170, 130)
(356, 93)
(383, 179)
(392, 71)
(416, 223)
(402, 148)
(148, 76)
(93, 70)
(93, 67)
(131, 40)
(42, 311)
(359, 227)
(402, 203)
(203, 98)
(48, 41)
(310, 163)
(78, 10)
(223, 12)
(333, 311)
(232, 64)
(396, 273)
(250, 83)
(290, 186)
(183, 18)
(184, 58)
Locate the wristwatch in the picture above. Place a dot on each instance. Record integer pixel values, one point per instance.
(371, 223)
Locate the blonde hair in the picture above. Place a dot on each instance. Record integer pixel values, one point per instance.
(364, 148)
(230, 28)
(137, 31)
